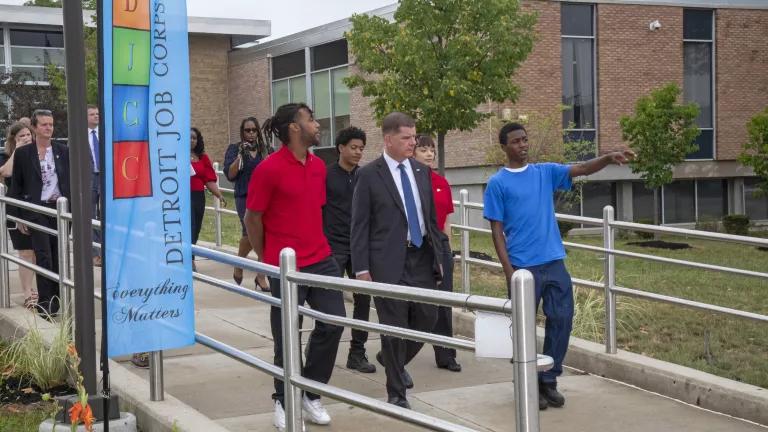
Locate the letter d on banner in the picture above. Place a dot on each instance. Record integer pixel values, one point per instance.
(148, 278)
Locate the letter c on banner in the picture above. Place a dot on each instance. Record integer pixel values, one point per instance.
(133, 121)
(125, 168)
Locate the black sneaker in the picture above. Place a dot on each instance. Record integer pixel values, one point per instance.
(550, 394)
(542, 403)
(360, 363)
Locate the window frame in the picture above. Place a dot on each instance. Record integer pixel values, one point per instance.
(713, 80)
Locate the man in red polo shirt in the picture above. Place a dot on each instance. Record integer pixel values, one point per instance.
(285, 202)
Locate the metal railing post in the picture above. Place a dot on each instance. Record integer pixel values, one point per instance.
(217, 209)
(464, 214)
(609, 279)
(291, 341)
(524, 352)
(156, 386)
(62, 228)
(5, 282)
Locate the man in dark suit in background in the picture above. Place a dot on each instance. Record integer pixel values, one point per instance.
(93, 142)
(40, 176)
(395, 240)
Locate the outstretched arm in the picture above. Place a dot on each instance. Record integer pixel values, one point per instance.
(594, 165)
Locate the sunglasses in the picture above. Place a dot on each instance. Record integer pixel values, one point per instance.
(251, 130)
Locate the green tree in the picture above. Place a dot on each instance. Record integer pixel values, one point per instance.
(25, 98)
(661, 132)
(755, 154)
(439, 60)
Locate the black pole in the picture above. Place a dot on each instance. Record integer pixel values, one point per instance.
(80, 185)
(105, 389)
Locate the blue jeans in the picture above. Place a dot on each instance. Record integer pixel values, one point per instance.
(554, 287)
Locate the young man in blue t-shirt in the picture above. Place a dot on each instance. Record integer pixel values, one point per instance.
(519, 203)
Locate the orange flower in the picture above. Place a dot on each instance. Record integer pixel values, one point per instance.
(71, 350)
(87, 418)
(74, 413)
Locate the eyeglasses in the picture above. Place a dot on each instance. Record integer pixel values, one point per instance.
(251, 130)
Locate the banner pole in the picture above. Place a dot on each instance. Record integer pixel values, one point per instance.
(80, 185)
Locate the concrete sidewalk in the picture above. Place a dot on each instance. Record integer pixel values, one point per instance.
(480, 397)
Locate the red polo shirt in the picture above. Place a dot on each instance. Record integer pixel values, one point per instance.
(441, 191)
(290, 195)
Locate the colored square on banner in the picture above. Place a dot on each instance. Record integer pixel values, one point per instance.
(130, 57)
(129, 109)
(131, 14)
(132, 174)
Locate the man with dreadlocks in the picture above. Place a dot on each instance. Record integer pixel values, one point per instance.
(285, 209)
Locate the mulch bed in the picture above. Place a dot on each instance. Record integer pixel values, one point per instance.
(475, 254)
(762, 248)
(660, 244)
(16, 391)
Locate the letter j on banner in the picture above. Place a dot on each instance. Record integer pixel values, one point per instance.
(147, 248)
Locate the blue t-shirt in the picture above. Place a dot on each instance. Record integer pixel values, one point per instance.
(523, 201)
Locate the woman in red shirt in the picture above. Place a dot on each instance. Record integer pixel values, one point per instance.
(202, 176)
(441, 190)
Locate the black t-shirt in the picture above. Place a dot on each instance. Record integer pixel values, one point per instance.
(337, 213)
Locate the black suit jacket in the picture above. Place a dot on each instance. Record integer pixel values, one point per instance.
(27, 180)
(379, 222)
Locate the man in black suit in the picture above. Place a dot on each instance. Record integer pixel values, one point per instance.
(395, 240)
(40, 176)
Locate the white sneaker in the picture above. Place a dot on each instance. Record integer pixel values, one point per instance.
(278, 418)
(315, 411)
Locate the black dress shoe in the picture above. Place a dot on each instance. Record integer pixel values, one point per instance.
(550, 394)
(407, 380)
(451, 366)
(401, 402)
(542, 403)
(360, 363)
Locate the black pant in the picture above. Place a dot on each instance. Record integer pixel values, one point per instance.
(198, 211)
(324, 339)
(444, 324)
(46, 256)
(396, 352)
(362, 307)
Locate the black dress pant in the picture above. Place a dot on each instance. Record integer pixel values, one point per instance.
(444, 324)
(362, 307)
(397, 352)
(46, 256)
(324, 340)
(198, 211)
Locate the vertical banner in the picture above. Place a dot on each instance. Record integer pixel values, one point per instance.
(147, 255)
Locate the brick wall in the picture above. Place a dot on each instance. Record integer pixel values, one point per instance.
(741, 39)
(249, 94)
(632, 60)
(209, 90)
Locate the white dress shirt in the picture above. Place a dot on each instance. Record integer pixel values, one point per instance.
(90, 143)
(395, 171)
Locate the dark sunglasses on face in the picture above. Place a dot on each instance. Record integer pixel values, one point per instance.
(251, 130)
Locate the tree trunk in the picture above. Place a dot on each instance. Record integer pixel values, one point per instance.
(656, 211)
(441, 153)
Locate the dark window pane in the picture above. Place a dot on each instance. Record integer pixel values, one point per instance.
(329, 55)
(697, 79)
(288, 65)
(578, 79)
(579, 145)
(706, 146)
(37, 38)
(755, 202)
(32, 73)
(595, 196)
(697, 24)
(341, 122)
(576, 20)
(712, 199)
(679, 206)
(642, 203)
(326, 135)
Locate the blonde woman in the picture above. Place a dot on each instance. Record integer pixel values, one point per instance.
(19, 135)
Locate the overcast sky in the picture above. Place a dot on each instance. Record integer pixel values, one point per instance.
(288, 16)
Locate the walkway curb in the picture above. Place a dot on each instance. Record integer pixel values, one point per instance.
(688, 385)
(132, 389)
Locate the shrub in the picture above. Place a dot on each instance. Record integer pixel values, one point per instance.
(706, 224)
(643, 234)
(737, 224)
(565, 227)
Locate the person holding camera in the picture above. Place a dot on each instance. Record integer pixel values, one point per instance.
(239, 162)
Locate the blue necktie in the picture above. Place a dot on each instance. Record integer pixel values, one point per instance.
(95, 139)
(410, 208)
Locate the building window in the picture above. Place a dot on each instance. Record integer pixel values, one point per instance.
(595, 196)
(642, 203)
(755, 202)
(330, 96)
(711, 199)
(289, 82)
(698, 72)
(577, 28)
(679, 202)
(31, 51)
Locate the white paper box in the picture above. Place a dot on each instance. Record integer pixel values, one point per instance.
(493, 335)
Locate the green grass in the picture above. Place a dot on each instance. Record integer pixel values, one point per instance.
(25, 420)
(230, 224)
(726, 346)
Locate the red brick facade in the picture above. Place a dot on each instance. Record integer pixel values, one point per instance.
(209, 62)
